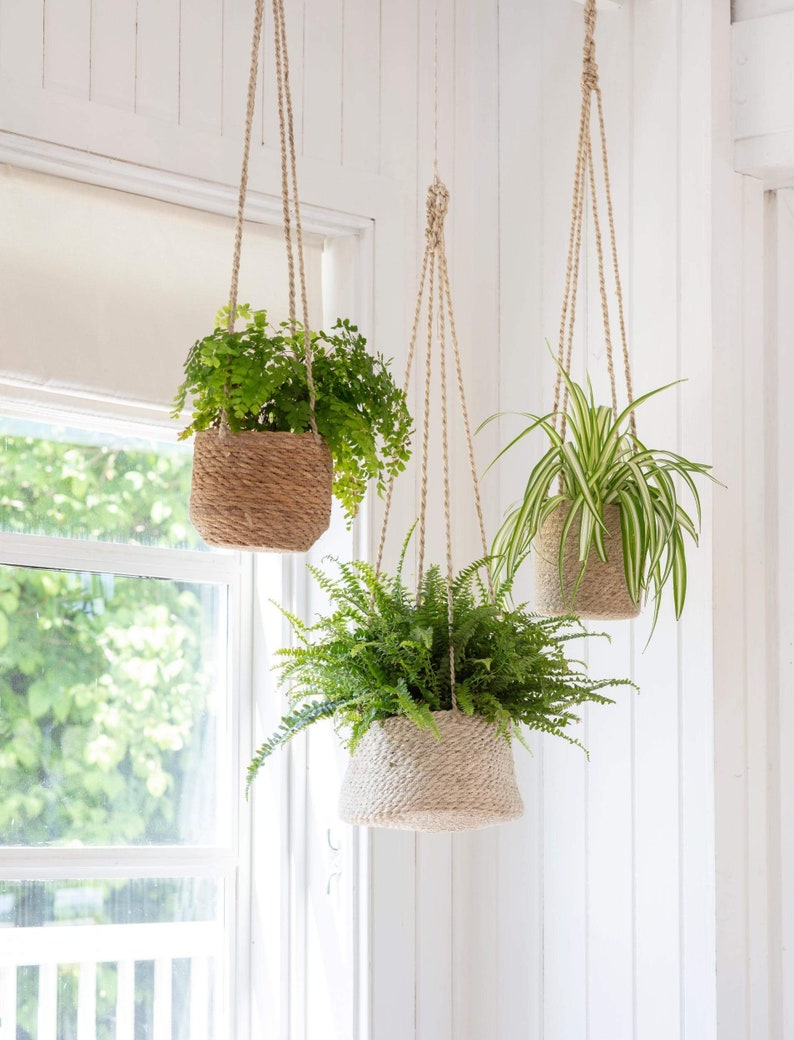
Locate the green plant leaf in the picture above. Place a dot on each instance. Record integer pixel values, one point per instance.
(603, 463)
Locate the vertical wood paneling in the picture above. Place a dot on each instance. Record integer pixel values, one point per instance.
(476, 254)
(238, 23)
(519, 943)
(756, 572)
(157, 62)
(610, 892)
(564, 834)
(393, 978)
(475, 29)
(398, 45)
(361, 85)
(784, 321)
(322, 79)
(564, 890)
(656, 330)
(610, 874)
(697, 399)
(201, 65)
(729, 239)
(67, 46)
(774, 307)
(434, 947)
(113, 44)
(730, 763)
(21, 41)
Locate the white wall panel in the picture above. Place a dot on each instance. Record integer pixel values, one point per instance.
(157, 61)
(67, 46)
(322, 79)
(784, 825)
(113, 47)
(21, 41)
(201, 65)
(361, 87)
(655, 257)
(238, 21)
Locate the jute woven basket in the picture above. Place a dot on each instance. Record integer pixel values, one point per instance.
(404, 778)
(261, 491)
(603, 594)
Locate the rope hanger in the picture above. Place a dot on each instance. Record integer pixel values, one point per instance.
(289, 188)
(435, 277)
(585, 173)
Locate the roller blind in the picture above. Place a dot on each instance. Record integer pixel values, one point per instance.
(102, 292)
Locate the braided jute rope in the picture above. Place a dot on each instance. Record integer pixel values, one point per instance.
(584, 174)
(602, 593)
(262, 490)
(403, 777)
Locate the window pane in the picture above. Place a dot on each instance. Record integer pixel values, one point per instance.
(112, 693)
(136, 952)
(60, 481)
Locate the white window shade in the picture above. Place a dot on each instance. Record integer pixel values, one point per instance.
(103, 292)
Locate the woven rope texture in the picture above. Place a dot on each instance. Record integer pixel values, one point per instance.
(404, 778)
(603, 594)
(261, 491)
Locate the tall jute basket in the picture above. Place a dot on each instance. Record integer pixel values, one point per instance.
(602, 594)
(405, 778)
(261, 491)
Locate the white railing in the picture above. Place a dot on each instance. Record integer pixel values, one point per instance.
(86, 946)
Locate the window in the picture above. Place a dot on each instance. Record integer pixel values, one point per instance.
(141, 895)
(120, 865)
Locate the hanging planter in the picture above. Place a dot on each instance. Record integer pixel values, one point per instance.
(282, 415)
(430, 719)
(600, 590)
(264, 491)
(429, 687)
(458, 775)
(262, 479)
(613, 530)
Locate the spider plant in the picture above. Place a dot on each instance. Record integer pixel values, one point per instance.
(603, 462)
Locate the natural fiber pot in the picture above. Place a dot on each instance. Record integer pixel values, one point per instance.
(602, 594)
(261, 491)
(405, 778)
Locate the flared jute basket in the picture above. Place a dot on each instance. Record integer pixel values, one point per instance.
(405, 778)
(261, 491)
(602, 594)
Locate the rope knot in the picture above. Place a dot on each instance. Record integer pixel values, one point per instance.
(437, 206)
(590, 72)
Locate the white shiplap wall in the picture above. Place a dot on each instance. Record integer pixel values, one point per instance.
(593, 916)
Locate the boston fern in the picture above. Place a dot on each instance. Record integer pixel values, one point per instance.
(257, 378)
(384, 653)
(603, 463)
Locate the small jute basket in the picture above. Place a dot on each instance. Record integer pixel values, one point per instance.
(405, 778)
(602, 594)
(261, 491)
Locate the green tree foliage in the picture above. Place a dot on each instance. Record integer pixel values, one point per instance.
(103, 686)
(103, 492)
